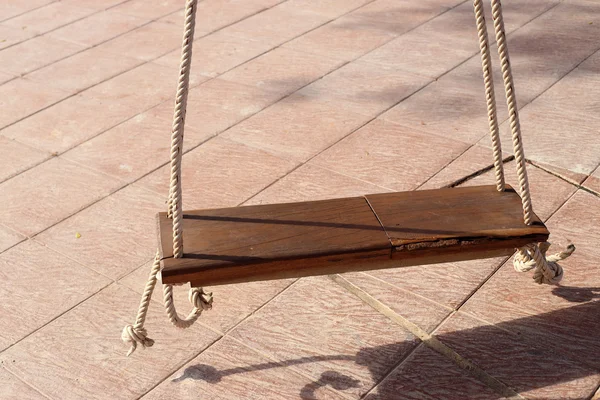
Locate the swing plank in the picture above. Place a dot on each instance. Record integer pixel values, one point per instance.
(264, 242)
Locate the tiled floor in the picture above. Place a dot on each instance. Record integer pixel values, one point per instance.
(292, 100)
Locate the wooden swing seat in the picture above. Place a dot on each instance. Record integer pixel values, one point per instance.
(388, 230)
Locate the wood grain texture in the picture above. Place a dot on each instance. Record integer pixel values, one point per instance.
(242, 244)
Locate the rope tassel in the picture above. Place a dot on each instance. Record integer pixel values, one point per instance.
(547, 269)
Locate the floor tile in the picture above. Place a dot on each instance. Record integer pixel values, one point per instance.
(373, 90)
(534, 371)
(276, 25)
(215, 54)
(4, 77)
(566, 314)
(9, 237)
(331, 9)
(593, 182)
(10, 35)
(299, 126)
(372, 154)
(345, 39)
(41, 196)
(140, 8)
(70, 122)
(95, 4)
(49, 17)
(229, 370)
(214, 15)
(282, 70)
(17, 158)
(90, 363)
(221, 173)
(217, 105)
(31, 297)
(12, 388)
(12, 8)
(363, 347)
(116, 235)
(232, 303)
(32, 54)
(428, 375)
(98, 27)
(90, 67)
(134, 148)
(424, 313)
(310, 183)
(540, 183)
(147, 42)
(20, 98)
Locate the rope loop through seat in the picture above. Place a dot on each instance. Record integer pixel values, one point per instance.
(547, 269)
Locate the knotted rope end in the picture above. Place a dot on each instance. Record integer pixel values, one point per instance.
(133, 336)
(547, 269)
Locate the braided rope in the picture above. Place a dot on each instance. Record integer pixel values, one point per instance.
(513, 111)
(486, 64)
(547, 269)
(174, 209)
(136, 333)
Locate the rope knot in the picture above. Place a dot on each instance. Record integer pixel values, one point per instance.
(133, 336)
(201, 300)
(547, 269)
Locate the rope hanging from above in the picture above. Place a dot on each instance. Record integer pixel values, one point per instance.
(533, 256)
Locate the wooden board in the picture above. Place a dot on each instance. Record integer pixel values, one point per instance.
(253, 243)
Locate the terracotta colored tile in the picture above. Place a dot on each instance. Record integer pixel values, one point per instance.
(216, 14)
(31, 297)
(217, 105)
(373, 90)
(309, 183)
(12, 388)
(12, 8)
(117, 234)
(428, 375)
(5, 77)
(35, 53)
(229, 370)
(95, 4)
(90, 362)
(232, 303)
(277, 25)
(221, 173)
(459, 280)
(540, 183)
(132, 149)
(331, 9)
(9, 237)
(89, 67)
(299, 126)
(49, 17)
(147, 42)
(345, 39)
(474, 159)
(41, 196)
(215, 54)
(141, 9)
(390, 156)
(567, 314)
(17, 157)
(98, 28)
(138, 89)
(434, 47)
(424, 313)
(20, 98)
(593, 182)
(10, 36)
(534, 371)
(68, 123)
(282, 70)
(340, 332)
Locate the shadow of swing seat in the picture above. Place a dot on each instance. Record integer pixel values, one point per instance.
(388, 230)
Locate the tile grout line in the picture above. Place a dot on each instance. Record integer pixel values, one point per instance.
(565, 179)
(429, 340)
(25, 382)
(30, 10)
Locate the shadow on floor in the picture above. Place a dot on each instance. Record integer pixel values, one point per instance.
(498, 349)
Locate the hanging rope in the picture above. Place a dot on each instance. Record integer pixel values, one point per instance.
(490, 96)
(136, 333)
(532, 256)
